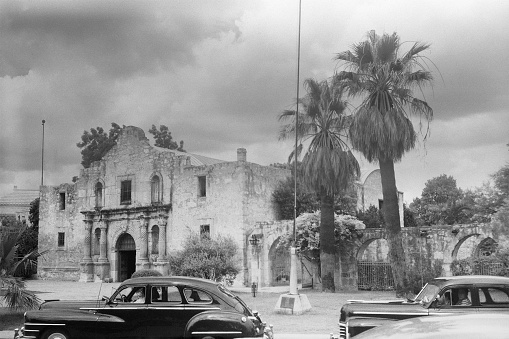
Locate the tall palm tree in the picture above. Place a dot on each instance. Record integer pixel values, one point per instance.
(381, 128)
(328, 165)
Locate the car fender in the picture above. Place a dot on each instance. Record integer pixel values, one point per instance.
(220, 323)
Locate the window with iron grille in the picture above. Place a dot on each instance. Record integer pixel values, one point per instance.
(61, 239)
(125, 192)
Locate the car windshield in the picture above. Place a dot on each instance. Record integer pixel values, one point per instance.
(427, 294)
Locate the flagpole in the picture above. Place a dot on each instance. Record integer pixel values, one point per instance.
(42, 159)
(293, 249)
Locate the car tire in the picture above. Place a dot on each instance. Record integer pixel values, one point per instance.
(55, 334)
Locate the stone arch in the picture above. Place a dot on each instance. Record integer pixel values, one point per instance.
(459, 244)
(485, 248)
(125, 246)
(364, 246)
(279, 272)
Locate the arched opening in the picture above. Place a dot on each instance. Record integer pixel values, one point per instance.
(280, 265)
(374, 271)
(126, 256)
(465, 248)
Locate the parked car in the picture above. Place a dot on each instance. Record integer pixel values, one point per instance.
(150, 307)
(464, 326)
(441, 296)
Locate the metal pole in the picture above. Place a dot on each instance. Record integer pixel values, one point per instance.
(293, 253)
(42, 160)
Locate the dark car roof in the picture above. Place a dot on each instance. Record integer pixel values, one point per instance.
(471, 279)
(176, 280)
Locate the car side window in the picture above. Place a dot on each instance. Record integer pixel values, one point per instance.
(461, 297)
(166, 294)
(493, 296)
(130, 294)
(194, 296)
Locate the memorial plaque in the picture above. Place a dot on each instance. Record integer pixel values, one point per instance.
(287, 302)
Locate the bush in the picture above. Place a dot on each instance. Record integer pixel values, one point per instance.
(146, 273)
(203, 257)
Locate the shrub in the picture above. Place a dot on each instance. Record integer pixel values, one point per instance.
(146, 273)
(208, 258)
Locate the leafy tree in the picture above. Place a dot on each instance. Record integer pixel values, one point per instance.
(346, 228)
(208, 258)
(283, 199)
(381, 128)
(441, 202)
(501, 179)
(328, 165)
(408, 217)
(371, 217)
(17, 297)
(163, 138)
(96, 143)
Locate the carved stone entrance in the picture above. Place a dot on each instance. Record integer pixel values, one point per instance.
(126, 256)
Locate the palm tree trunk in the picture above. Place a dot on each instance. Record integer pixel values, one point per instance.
(327, 243)
(390, 210)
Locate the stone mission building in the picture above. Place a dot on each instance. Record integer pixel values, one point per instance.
(138, 204)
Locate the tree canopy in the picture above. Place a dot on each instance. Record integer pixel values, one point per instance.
(163, 138)
(96, 143)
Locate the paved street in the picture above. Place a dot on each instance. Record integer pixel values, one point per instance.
(47, 290)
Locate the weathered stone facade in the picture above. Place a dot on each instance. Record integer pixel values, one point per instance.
(138, 204)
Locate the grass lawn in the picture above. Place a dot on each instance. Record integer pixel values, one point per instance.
(323, 317)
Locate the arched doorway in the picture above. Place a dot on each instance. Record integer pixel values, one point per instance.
(374, 271)
(126, 256)
(280, 264)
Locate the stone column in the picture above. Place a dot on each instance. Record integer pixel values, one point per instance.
(162, 264)
(103, 243)
(144, 262)
(162, 241)
(87, 266)
(103, 265)
(88, 240)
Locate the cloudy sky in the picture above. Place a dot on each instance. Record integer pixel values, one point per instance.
(217, 73)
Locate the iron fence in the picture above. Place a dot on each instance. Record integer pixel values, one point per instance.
(492, 268)
(374, 276)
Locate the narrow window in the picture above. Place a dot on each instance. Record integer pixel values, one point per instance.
(61, 239)
(380, 204)
(125, 192)
(62, 201)
(155, 240)
(155, 189)
(99, 195)
(202, 186)
(204, 231)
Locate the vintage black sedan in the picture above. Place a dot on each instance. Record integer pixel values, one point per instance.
(150, 307)
(441, 296)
